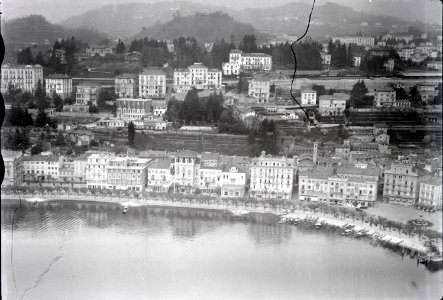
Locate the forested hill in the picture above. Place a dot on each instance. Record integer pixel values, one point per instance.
(35, 29)
(204, 27)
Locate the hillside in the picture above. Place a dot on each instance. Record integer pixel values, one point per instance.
(126, 20)
(204, 27)
(35, 29)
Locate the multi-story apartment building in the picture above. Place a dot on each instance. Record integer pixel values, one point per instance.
(186, 168)
(13, 167)
(431, 192)
(406, 52)
(332, 105)
(42, 167)
(322, 184)
(259, 88)
(87, 93)
(358, 40)
(160, 175)
(25, 78)
(233, 181)
(239, 61)
(152, 83)
(97, 169)
(101, 50)
(80, 168)
(406, 37)
(308, 98)
(159, 108)
(127, 173)
(125, 86)
(133, 108)
(384, 97)
(271, 177)
(401, 184)
(197, 76)
(209, 178)
(60, 84)
(325, 58)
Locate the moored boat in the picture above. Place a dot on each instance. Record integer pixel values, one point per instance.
(347, 232)
(318, 225)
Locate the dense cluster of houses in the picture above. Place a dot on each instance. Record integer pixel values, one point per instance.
(341, 178)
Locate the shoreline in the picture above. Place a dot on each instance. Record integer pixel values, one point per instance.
(391, 237)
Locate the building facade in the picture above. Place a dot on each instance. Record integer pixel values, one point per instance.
(384, 97)
(401, 184)
(259, 88)
(42, 167)
(358, 40)
(25, 78)
(160, 176)
(271, 177)
(101, 50)
(152, 83)
(133, 108)
(308, 97)
(13, 162)
(125, 86)
(239, 61)
(431, 192)
(197, 76)
(87, 93)
(127, 173)
(186, 168)
(332, 105)
(97, 170)
(59, 84)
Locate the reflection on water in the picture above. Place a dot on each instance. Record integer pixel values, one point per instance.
(84, 250)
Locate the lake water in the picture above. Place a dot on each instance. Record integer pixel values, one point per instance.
(79, 250)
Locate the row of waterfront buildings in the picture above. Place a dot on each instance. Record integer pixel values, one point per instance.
(304, 176)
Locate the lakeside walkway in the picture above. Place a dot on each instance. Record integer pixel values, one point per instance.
(387, 235)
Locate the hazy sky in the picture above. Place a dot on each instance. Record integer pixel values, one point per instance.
(58, 10)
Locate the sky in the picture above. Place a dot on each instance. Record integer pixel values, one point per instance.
(58, 10)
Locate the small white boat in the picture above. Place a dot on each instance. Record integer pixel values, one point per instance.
(283, 220)
(318, 225)
(125, 209)
(347, 232)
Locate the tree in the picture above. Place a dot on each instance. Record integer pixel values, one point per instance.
(191, 110)
(358, 93)
(41, 100)
(37, 148)
(93, 109)
(42, 119)
(39, 60)
(105, 95)
(249, 44)
(60, 140)
(120, 49)
(131, 133)
(415, 97)
(57, 101)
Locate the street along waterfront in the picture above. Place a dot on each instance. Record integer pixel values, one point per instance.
(74, 249)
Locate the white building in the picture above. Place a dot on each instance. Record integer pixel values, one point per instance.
(197, 76)
(239, 61)
(358, 40)
(127, 173)
(60, 84)
(325, 58)
(357, 60)
(186, 168)
(13, 167)
(42, 167)
(233, 181)
(401, 183)
(101, 50)
(125, 86)
(152, 83)
(431, 192)
(384, 97)
(321, 184)
(406, 53)
(308, 97)
(160, 176)
(259, 88)
(271, 177)
(97, 170)
(21, 77)
(332, 105)
(87, 93)
(133, 108)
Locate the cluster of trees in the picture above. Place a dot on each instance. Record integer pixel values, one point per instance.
(243, 85)
(307, 54)
(120, 48)
(358, 95)
(195, 110)
(60, 58)
(342, 56)
(153, 52)
(263, 138)
(17, 141)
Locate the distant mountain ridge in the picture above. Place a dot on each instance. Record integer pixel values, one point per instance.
(126, 20)
(204, 27)
(35, 29)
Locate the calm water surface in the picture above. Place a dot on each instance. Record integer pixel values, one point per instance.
(76, 250)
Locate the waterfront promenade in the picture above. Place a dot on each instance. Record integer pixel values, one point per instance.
(290, 210)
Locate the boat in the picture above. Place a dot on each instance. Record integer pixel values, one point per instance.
(238, 212)
(125, 209)
(347, 232)
(283, 220)
(360, 233)
(318, 225)
(435, 262)
(295, 221)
